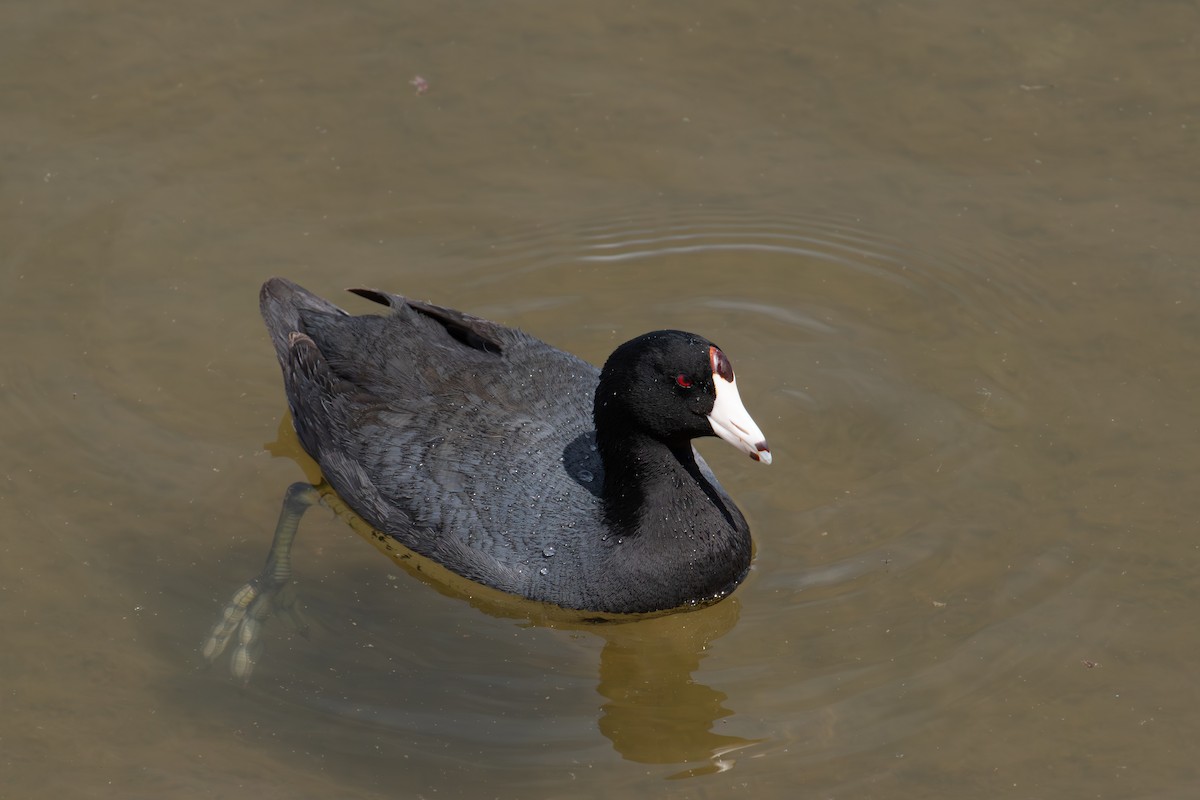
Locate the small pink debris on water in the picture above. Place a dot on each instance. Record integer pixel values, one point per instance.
(420, 84)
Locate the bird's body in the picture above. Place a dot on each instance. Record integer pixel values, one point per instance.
(474, 444)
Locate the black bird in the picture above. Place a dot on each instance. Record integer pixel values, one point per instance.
(508, 461)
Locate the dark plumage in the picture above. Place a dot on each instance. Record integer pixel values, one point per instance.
(476, 445)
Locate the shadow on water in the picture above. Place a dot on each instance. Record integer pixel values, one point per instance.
(654, 711)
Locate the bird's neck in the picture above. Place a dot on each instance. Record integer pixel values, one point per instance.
(650, 485)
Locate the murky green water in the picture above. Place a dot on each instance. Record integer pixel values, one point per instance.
(951, 248)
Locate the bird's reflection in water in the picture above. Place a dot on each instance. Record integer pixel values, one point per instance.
(654, 710)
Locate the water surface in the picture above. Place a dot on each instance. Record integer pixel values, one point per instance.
(950, 248)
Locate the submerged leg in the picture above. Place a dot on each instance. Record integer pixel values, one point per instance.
(271, 591)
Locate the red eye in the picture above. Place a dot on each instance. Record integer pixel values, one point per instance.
(683, 381)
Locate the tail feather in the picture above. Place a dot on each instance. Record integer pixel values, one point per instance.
(281, 302)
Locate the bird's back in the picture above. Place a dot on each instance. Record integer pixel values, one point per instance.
(470, 442)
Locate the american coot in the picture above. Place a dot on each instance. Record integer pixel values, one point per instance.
(507, 461)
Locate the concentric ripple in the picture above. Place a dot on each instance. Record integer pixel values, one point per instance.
(896, 378)
(894, 383)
